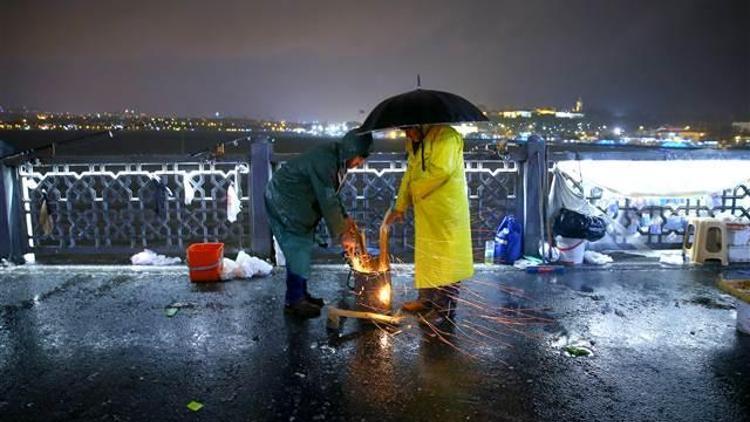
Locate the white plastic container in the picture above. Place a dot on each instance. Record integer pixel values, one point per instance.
(743, 316)
(571, 250)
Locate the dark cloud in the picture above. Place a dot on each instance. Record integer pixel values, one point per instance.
(328, 59)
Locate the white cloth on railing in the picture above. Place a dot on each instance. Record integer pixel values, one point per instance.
(233, 203)
(187, 186)
(670, 178)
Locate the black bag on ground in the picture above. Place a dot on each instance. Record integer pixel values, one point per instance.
(578, 226)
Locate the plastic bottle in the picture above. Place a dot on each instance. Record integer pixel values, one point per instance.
(489, 252)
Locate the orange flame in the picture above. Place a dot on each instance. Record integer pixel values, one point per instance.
(384, 295)
(363, 262)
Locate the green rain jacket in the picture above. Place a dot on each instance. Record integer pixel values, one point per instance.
(306, 189)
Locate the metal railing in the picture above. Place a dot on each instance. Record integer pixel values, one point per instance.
(493, 191)
(103, 204)
(125, 206)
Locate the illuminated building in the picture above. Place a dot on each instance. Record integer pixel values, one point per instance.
(579, 106)
(679, 134)
(545, 111)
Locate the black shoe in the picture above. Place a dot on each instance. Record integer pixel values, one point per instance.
(314, 300)
(438, 318)
(303, 309)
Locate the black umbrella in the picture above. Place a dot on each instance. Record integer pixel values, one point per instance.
(421, 107)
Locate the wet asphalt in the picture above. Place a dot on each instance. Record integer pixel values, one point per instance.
(95, 343)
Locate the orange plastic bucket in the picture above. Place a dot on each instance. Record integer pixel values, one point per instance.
(205, 261)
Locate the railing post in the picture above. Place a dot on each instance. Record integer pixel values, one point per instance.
(534, 174)
(11, 212)
(260, 174)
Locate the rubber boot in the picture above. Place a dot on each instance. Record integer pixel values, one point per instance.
(295, 302)
(303, 309)
(421, 304)
(312, 299)
(444, 306)
(450, 299)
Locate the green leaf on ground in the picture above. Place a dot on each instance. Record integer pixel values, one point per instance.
(578, 351)
(195, 406)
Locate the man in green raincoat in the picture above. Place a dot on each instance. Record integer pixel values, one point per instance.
(300, 193)
(435, 186)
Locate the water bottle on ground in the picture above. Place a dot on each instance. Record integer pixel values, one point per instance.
(489, 252)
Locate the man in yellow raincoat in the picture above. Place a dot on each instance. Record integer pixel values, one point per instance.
(435, 185)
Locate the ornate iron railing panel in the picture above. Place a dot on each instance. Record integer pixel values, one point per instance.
(107, 207)
(661, 224)
(371, 189)
(119, 206)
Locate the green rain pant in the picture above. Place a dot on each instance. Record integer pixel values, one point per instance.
(297, 249)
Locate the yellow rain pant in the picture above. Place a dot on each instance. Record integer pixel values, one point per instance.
(436, 188)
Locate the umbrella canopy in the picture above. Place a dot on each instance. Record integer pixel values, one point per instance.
(421, 107)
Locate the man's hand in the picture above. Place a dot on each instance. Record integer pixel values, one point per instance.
(394, 217)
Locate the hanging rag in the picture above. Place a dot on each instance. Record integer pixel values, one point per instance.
(233, 203)
(160, 196)
(188, 188)
(45, 216)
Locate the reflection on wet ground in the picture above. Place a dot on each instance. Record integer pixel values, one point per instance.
(95, 343)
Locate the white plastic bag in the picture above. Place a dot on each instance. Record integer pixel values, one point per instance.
(252, 266)
(187, 185)
(553, 254)
(229, 270)
(596, 258)
(672, 259)
(279, 257)
(245, 266)
(522, 264)
(233, 204)
(149, 257)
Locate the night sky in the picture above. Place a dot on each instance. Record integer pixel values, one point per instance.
(328, 60)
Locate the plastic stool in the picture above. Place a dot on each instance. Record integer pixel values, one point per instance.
(688, 239)
(709, 241)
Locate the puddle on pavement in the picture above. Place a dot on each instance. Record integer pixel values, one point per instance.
(709, 303)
